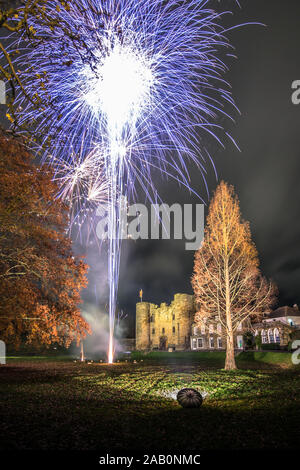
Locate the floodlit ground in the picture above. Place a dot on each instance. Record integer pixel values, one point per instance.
(59, 404)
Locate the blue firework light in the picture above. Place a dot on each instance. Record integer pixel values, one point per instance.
(147, 71)
(141, 82)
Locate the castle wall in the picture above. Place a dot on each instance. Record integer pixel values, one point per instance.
(165, 326)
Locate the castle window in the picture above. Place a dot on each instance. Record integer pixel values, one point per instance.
(174, 329)
(163, 331)
(271, 336)
(211, 342)
(153, 331)
(173, 316)
(219, 343)
(200, 343)
(152, 318)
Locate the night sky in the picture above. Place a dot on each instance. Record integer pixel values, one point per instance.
(265, 174)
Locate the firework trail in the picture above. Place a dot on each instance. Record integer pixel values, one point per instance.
(82, 184)
(140, 80)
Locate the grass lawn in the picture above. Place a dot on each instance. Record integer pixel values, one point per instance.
(59, 404)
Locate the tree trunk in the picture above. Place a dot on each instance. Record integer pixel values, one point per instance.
(230, 359)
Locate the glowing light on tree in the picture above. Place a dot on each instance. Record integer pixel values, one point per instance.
(142, 80)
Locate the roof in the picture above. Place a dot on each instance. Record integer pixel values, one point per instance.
(284, 312)
(275, 323)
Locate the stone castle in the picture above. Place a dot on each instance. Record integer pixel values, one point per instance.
(166, 326)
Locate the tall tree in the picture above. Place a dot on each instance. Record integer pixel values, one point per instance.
(227, 281)
(40, 279)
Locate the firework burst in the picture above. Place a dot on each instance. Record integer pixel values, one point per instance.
(141, 80)
(82, 184)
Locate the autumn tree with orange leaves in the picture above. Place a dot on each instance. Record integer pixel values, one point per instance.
(227, 282)
(40, 279)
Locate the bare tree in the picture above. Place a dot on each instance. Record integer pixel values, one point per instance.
(227, 282)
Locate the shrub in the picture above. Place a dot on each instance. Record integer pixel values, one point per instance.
(258, 341)
(248, 339)
(270, 347)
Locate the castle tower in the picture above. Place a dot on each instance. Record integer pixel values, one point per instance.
(142, 323)
(183, 310)
(165, 326)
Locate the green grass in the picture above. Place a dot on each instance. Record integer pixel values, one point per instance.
(179, 355)
(267, 357)
(209, 358)
(213, 358)
(39, 358)
(66, 405)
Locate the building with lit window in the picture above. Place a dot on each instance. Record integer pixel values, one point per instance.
(277, 326)
(210, 334)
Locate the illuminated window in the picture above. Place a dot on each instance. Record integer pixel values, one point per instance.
(264, 337)
(277, 335)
